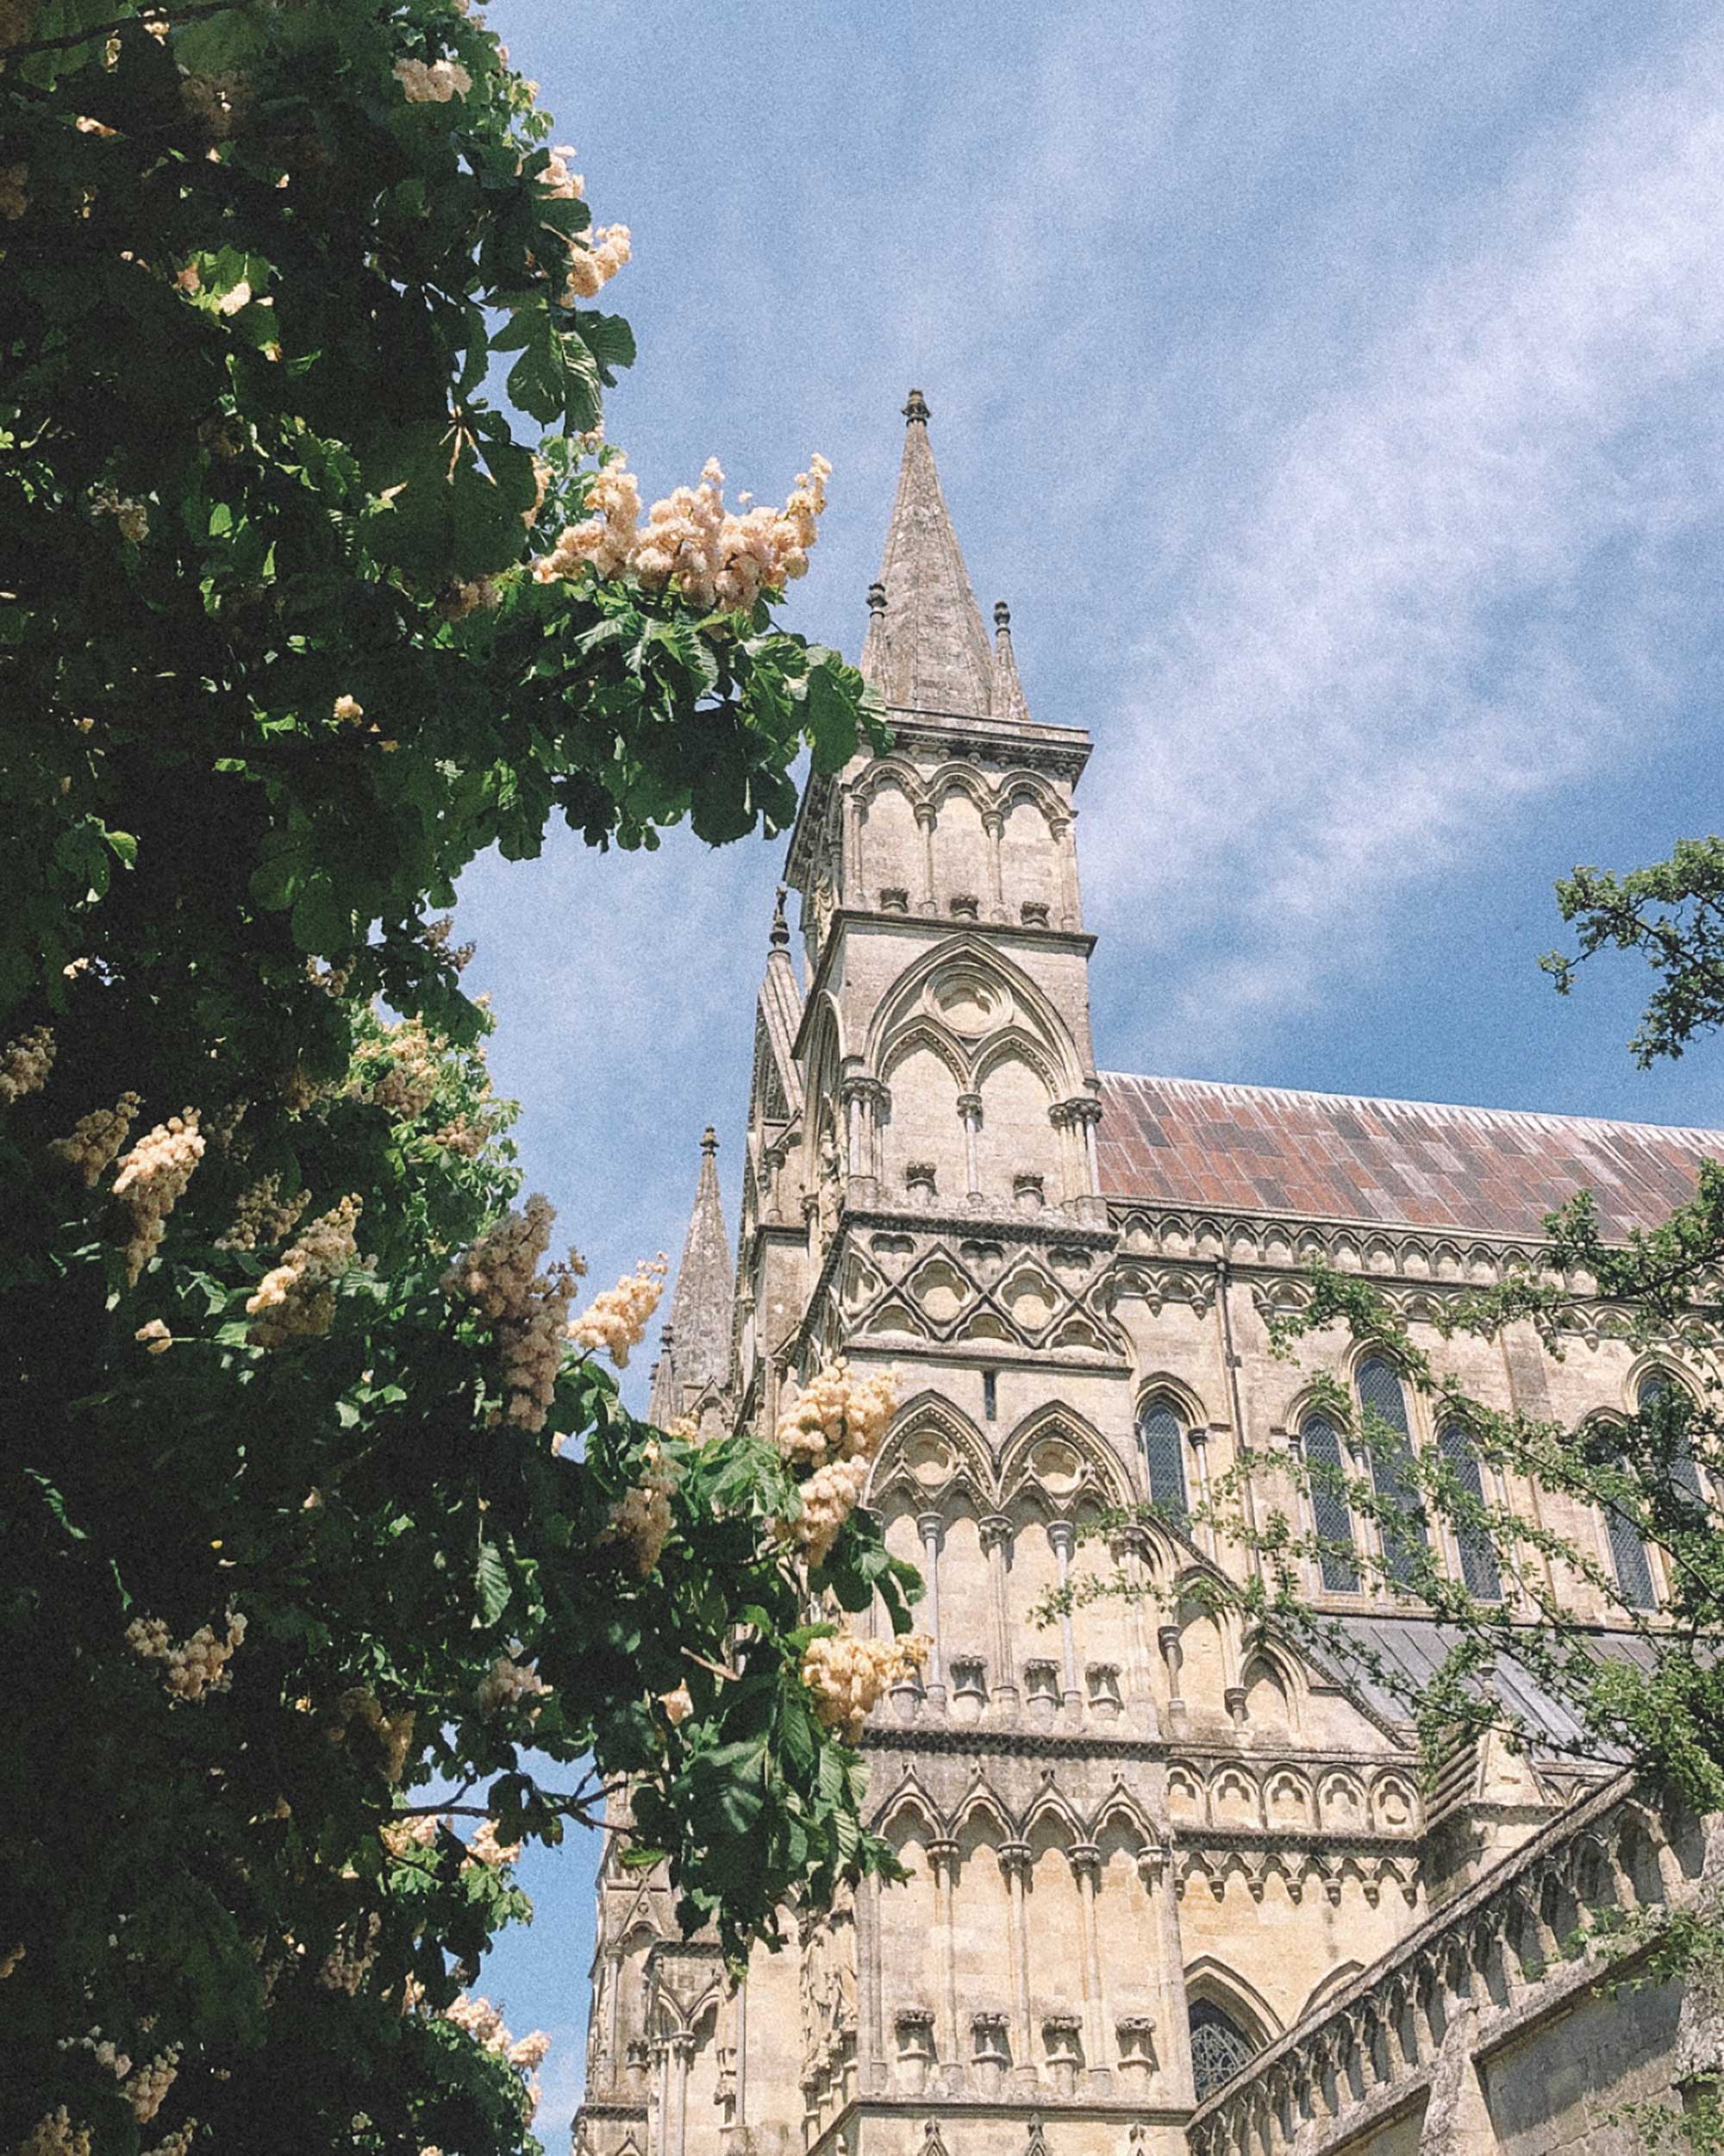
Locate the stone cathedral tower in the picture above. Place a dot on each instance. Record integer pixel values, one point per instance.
(1154, 1865)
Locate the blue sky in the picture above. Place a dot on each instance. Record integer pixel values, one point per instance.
(1334, 393)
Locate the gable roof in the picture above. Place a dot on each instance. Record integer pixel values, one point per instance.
(1329, 1156)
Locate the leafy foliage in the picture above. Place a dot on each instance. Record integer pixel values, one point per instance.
(276, 670)
(1673, 914)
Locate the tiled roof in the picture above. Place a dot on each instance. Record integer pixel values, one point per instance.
(1257, 1149)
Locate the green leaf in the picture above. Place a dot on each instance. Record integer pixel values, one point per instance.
(491, 1578)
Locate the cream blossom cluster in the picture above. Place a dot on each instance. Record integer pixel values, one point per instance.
(478, 595)
(558, 180)
(25, 1064)
(616, 1321)
(152, 1180)
(714, 557)
(263, 1216)
(485, 1848)
(409, 1080)
(829, 1496)
(677, 1703)
(147, 2091)
(463, 1136)
(594, 260)
(833, 1426)
(178, 2143)
(132, 515)
(836, 1415)
(506, 1683)
(848, 1676)
(196, 1665)
(345, 1965)
(482, 2021)
(296, 1298)
(390, 1735)
(641, 1519)
(97, 1139)
(102, 2049)
(10, 1961)
(56, 2136)
(435, 935)
(526, 1309)
(155, 1338)
(415, 1831)
(432, 83)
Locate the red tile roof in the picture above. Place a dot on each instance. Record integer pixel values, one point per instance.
(1257, 1149)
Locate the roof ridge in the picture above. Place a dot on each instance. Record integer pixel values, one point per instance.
(1465, 1108)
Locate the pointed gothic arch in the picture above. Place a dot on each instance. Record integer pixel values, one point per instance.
(1097, 1464)
(947, 779)
(978, 955)
(932, 1414)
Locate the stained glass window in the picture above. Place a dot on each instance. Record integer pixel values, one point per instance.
(1403, 1524)
(1628, 1552)
(1478, 1565)
(1684, 1472)
(1219, 2046)
(1329, 1510)
(1163, 1438)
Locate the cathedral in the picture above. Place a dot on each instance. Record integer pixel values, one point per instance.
(1169, 1889)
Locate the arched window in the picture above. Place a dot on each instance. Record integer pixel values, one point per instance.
(1403, 1523)
(1684, 1472)
(1219, 2046)
(1478, 1565)
(1163, 1438)
(1330, 1514)
(1628, 1552)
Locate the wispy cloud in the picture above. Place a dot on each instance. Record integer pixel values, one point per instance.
(1451, 587)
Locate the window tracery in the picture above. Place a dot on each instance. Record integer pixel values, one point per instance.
(1219, 2046)
(1479, 1570)
(1162, 1435)
(1331, 1515)
(1403, 1529)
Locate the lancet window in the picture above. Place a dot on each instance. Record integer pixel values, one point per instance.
(1219, 2046)
(1479, 1568)
(1403, 1522)
(1162, 1435)
(1628, 1557)
(1684, 1472)
(1331, 1516)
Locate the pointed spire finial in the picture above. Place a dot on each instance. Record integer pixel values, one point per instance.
(927, 648)
(709, 1141)
(781, 929)
(1009, 696)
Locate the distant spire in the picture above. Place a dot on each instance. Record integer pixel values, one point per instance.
(695, 1350)
(1009, 696)
(927, 647)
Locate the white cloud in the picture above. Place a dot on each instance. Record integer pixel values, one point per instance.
(1449, 589)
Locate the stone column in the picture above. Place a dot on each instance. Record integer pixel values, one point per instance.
(1015, 1860)
(1085, 1859)
(969, 1108)
(870, 2037)
(1061, 1540)
(995, 825)
(931, 1528)
(996, 1542)
(1127, 1549)
(1060, 829)
(738, 2027)
(1173, 1654)
(925, 818)
(1168, 1959)
(614, 2061)
(942, 1855)
(682, 2050)
(850, 890)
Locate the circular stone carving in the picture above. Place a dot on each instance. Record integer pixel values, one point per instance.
(967, 1002)
(928, 1457)
(1057, 1465)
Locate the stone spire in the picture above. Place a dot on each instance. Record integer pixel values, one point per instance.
(694, 1355)
(926, 649)
(1009, 696)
